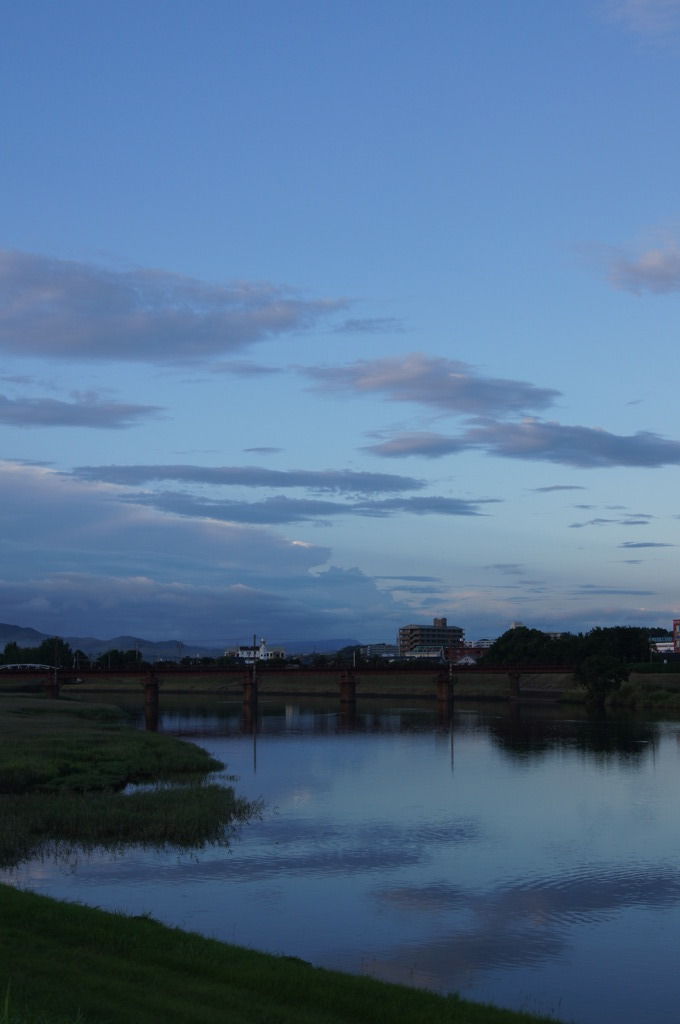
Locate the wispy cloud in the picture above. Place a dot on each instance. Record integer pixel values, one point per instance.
(280, 510)
(639, 520)
(87, 412)
(652, 18)
(263, 451)
(426, 444)
(330, 481)
(558, 487)
(593, 588)
(644, 544)
(655, 270)
(57, 309)
(540, 441)
(370, 325)
(439, 383)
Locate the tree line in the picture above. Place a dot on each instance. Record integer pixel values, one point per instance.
(600, 659)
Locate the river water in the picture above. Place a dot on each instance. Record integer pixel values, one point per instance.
(525, 856)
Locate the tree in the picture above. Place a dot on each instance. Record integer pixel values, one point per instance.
(600, 675)
(629, 644)
(54, 651)
(523, 646)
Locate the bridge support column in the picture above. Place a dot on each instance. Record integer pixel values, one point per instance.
(445, 688)
(348, 688)
(151, 702)
(250, 689)
(514, 685)
(52, 685)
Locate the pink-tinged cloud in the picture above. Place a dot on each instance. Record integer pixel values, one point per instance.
(57, 309)
(437, 382)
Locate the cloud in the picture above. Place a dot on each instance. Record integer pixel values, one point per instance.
(280, 510)
(639, 520)
(541, 441)
(429, 445)
(330, 481)
(51, 308)
(370, 325)
(558, 487)
(488, 403)
(644, 544)
(645, 17)
(241, 368)
(92, 412)
(509, 569)
(263, 451)
(591, 588)
(656, 270)
(585, 447)
(75, 557)
(441, 383)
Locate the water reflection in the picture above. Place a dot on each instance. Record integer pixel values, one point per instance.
(523, 733)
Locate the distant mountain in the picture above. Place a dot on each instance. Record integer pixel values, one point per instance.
(151, 650)
(22, 635)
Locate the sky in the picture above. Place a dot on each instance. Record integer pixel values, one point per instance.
(318, 319)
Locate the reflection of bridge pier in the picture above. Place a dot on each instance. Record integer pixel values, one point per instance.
(348, 716)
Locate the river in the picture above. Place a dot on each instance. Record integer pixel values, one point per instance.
(525, 856)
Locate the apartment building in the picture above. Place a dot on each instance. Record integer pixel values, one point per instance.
(439, 634)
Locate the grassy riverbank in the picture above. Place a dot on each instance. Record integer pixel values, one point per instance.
(64, 963)
(64, 764)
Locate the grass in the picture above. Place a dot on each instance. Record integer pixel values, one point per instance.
(63, 766)
(94, 967)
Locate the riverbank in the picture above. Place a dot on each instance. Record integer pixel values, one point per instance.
(63, 962)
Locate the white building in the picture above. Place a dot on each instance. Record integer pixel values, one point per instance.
(249, 653)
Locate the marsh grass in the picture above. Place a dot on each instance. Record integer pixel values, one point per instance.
(63, 766)
(186, 817)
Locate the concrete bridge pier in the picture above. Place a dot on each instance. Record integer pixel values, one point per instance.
(52, 685)
(249, 689)
(348, 688)
(151, 702)
(445, 689)
(514, 685)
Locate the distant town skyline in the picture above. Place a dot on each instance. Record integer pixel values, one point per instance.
(317, 320)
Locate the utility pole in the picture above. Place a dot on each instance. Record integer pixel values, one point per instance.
(254, 659)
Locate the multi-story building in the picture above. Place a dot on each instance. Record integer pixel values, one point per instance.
(676, 635)
(379, 651)
(439, 634)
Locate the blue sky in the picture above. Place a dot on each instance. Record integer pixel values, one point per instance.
(317, 319)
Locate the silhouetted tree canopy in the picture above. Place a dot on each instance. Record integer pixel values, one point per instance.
(523, 646)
